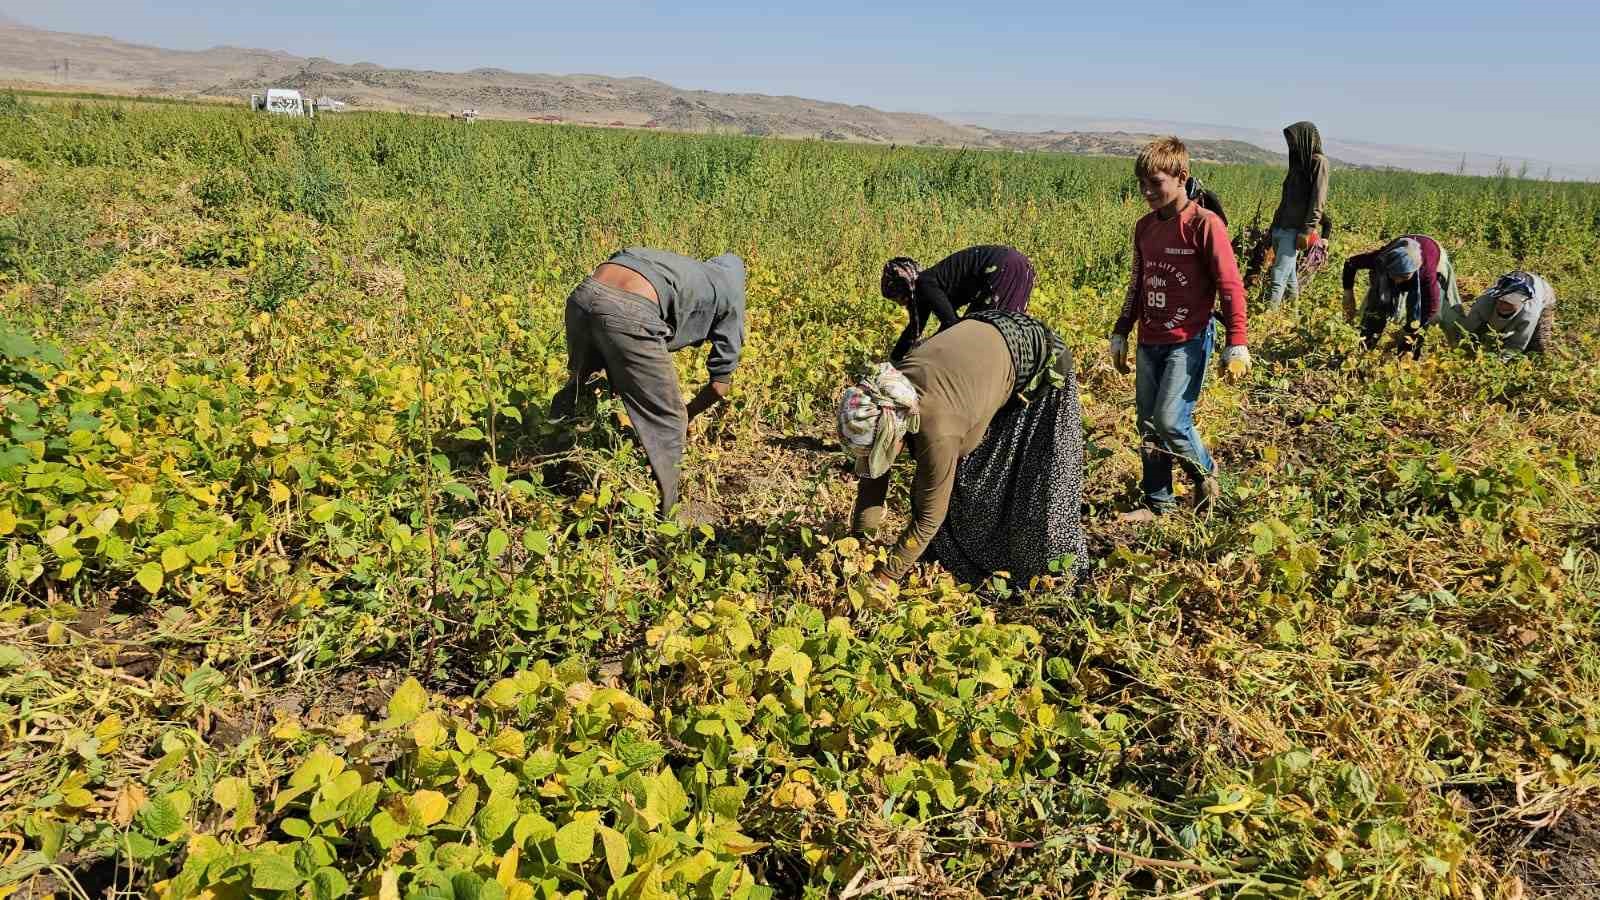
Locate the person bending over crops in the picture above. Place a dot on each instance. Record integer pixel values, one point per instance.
(1409, 279)
(1295, 226)
(985, 277)
(1520, 309)
(628, 317)
(1182, 259)
(989, 406)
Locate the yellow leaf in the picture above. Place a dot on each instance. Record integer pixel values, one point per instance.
(278, 491)
(8, 520)
(228, 792)
(503, 695)
(109, 727)
(389, 885)
(1234, 806)
(173, 559)
(130, 800)
(406, 704)
(288, 730)
(427, 807)
(616, 847)
(508, 743)
(506, 874)
(836, 802)
(427, 732)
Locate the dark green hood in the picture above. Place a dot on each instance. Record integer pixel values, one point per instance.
(1304, 142)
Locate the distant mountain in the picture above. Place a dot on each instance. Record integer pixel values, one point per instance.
(40, 57)
(1128, 144)
(1357, 153)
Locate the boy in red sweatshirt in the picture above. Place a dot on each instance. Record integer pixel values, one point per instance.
(1181, 260)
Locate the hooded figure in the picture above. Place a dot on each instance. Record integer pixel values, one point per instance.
(1300, 211)
(1305, 188)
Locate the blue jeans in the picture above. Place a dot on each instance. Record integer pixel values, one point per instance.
(1283, 274)
(1167, 385)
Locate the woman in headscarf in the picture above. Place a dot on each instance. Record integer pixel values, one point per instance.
(983, 277)
(1520, 309)
(1410, 278)
(990, 408)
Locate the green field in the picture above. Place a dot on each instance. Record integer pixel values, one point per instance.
(294, 603)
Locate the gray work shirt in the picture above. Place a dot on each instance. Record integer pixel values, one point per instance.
(700, 301)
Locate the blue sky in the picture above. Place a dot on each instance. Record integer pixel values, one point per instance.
(1503, 77)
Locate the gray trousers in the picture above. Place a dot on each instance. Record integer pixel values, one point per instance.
(625, 335)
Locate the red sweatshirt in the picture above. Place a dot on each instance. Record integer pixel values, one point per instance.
(1179, 265)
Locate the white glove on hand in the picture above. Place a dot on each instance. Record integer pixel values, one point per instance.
(1119, 352)
(1236, 361)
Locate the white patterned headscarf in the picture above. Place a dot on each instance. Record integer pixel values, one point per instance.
(875, 414)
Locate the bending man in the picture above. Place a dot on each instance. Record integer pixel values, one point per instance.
(990, 406)
(983, 277)
(628, 317)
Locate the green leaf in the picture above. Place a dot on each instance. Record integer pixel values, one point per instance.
(575, 841)
(160, 818)
(12, 657)
(537, 542)
(385, 830)
(496, 543)
(463, 806)
(149, 577)
(329, 884)
(407, 703)
(470, 433)
(323, 512)
(533, 828)
(271, 872)
(496, 817)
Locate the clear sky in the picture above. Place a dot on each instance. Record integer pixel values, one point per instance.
(1494, 76)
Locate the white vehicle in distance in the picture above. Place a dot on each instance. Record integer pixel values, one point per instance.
(283, 102)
